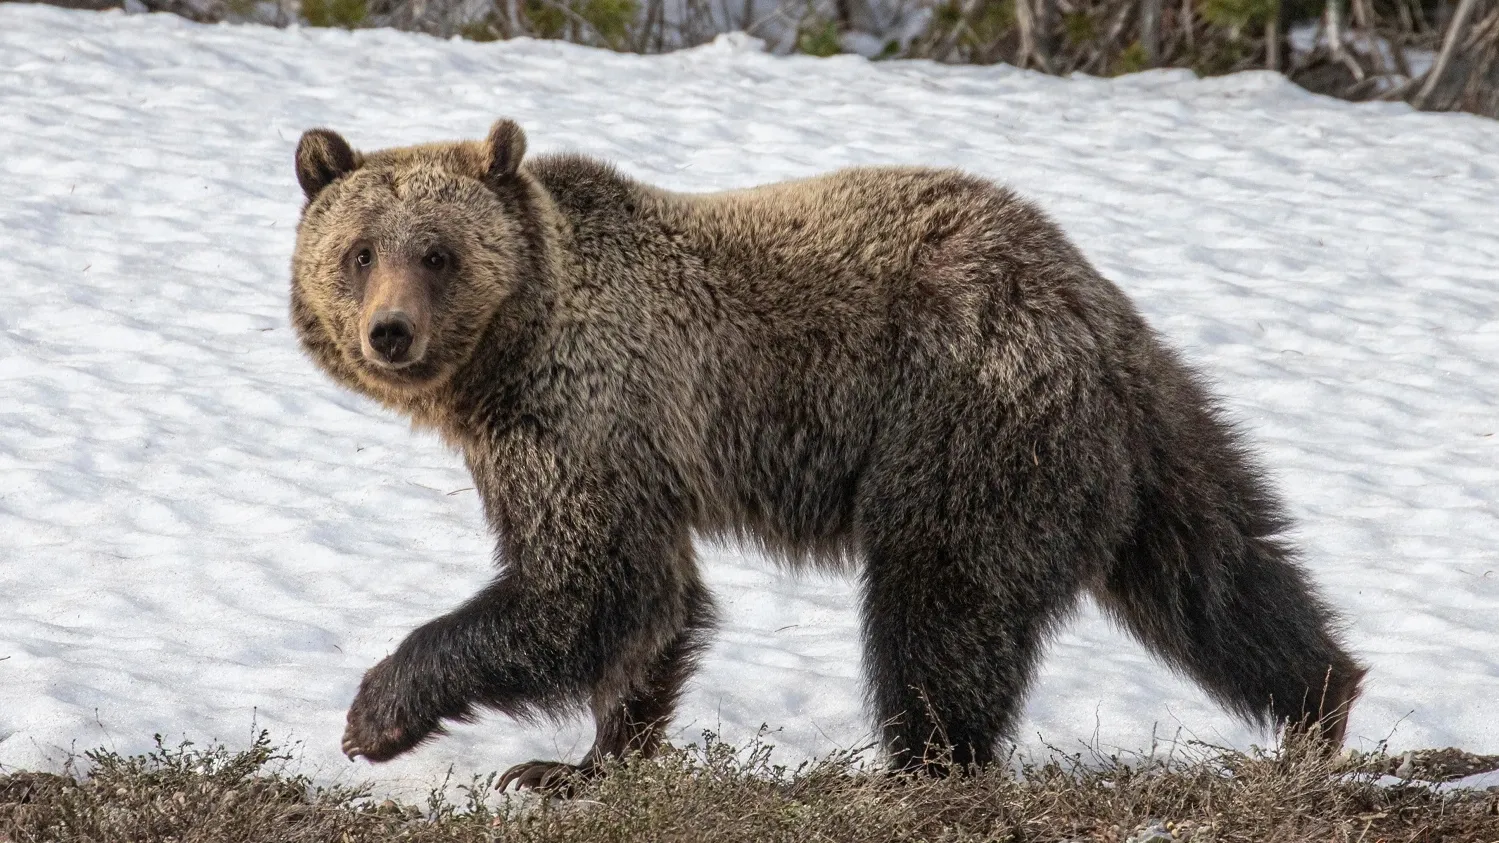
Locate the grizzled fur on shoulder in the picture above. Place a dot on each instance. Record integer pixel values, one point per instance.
(908, 374)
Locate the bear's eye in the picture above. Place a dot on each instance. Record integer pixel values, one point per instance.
(364, 258)
(435, 260)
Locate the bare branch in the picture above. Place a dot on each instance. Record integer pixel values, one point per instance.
(950, 41)
(1449, 47)
(1150, 31)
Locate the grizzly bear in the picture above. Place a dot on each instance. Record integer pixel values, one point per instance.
(906, 374)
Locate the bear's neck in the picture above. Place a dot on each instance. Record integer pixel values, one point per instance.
(490, 392)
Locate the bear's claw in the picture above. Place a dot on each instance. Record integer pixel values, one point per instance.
(553, 778)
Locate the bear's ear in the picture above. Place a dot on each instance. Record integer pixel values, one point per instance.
(503, 149)
(322, 157)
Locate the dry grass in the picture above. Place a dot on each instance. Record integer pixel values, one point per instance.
(715, 793)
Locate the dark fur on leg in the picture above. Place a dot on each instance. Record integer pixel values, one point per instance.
(978, 538)
(633, 597)
(633, 725)
(946, 687)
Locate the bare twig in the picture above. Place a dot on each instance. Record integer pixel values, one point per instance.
(1103, 49)
(780, 12)
(1029, 17)
(578, 21)
(512, 18)
(1274, 33)
(1449, 47)
(649, 26)
(1150, 31)
(1486, 30)
(1401, 90)
(950, 41)
(1366, 20)
(1333, 13)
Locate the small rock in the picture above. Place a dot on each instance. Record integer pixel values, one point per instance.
(1153, 831)
(1407, 768)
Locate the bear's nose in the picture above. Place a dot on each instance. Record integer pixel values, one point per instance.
(391, 334)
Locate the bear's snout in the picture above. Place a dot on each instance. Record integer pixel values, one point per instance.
(395, 318)
(391, 336)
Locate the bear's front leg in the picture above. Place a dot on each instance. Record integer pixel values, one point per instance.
(546, 636)
(631, 723)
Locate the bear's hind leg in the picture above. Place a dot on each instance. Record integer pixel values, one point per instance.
(950, 650)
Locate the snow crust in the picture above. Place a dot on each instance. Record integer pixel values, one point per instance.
(200, 535)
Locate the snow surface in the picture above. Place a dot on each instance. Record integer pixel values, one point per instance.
(202, 535)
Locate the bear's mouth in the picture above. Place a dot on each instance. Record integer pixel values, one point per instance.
(414, 373)
(405, 375)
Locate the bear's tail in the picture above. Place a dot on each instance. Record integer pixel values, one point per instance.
(1208, 584)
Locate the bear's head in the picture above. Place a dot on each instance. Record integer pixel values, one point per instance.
(404, 256)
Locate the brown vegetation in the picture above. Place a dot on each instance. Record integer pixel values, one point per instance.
(714, 793)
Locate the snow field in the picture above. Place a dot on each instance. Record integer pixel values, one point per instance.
(199, 534)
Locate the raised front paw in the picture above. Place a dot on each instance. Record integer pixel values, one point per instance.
(552, 778)
(387, 717)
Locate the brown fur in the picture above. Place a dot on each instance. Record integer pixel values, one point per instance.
(902, 372)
